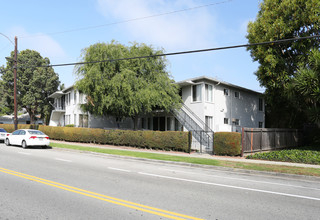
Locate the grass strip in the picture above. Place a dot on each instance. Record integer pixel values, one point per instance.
(194, 160)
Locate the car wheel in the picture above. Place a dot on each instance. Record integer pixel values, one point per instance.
(7, 142)
(44, 147)
(24, 144)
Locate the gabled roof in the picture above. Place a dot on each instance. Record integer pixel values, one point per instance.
(196, 80)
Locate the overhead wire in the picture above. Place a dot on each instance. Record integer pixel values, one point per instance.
(126, 21)
(179, 53)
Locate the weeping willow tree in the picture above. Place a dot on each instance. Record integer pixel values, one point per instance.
(128, 87)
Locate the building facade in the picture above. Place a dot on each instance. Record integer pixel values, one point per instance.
(209, 105)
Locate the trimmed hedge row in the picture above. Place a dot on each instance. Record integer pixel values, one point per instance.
(168, 140)
(10, 127)
(227, 143)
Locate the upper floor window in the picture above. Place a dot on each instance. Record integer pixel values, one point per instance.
(209, 92)
(196, 93)
(237, 95)
(236, 121)
(67, 98)
(260, 104)
(74, 97)
(226, 91)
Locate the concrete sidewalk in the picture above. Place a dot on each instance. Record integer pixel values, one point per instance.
(194, 154)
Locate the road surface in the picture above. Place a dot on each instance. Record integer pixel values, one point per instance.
(60, 184)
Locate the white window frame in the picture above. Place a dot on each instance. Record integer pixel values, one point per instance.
(209, 92)
(237, 97)
(226, 92)
(198, 93)
(226, 121)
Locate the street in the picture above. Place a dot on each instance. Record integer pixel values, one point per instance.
(60, 184)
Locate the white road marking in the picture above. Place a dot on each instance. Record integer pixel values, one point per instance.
(25, 153)
(246, 180)
(64, 160)
(112, 168)
(234, 187)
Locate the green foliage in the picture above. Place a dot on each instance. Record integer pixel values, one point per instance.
(305, 88)
(227, 143)
(170, 140)
(279, 63)
(10, 127)
(293, 155)
(34, 84)
(125, 88)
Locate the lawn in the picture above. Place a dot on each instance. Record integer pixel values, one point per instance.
(307, 155)
(193, 160)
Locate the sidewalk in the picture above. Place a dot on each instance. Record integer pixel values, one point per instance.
(194, 154)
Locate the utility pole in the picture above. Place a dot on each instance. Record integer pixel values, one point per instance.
(15, 82)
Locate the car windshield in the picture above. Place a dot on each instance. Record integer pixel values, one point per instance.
(36, 132)
(2, 130)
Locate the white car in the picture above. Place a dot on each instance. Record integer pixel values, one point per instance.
(3, 134)
(27, 137)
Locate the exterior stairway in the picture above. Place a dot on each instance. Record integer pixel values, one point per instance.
(201, 132)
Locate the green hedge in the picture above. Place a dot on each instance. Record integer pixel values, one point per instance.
(164, 140)
(227, 143)
(10, 127)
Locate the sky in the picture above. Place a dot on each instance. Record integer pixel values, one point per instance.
(60, 30)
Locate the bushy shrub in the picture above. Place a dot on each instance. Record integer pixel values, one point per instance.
(292, 155)
(10, 127)
(164, 140)
(227, 143)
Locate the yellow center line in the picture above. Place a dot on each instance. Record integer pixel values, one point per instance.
(128, 204)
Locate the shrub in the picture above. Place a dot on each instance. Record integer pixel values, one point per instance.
(227, 143)
(10, 127)
(292, 155)
(164, 140)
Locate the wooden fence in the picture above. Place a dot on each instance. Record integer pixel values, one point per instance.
(265, 139)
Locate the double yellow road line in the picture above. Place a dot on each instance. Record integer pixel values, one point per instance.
(109, 199)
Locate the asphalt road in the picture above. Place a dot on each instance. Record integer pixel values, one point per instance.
(59, 184)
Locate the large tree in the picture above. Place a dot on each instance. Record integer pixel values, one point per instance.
(34, 83)
(279, 63)
(125, 88)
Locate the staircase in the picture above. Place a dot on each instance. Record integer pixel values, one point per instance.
(200, 130)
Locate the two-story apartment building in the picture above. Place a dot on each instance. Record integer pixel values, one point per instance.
(209, 105)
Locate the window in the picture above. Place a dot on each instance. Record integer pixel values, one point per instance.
(209, 89)
(260, 124)
(209, 120)
(75, 119)
(83, 120)
(226, 121)
(74, 97)
(237, 95)
(260, 104)
(196, 93)
(226, 91)
(67, 120)
(67, 98)
(236, 121)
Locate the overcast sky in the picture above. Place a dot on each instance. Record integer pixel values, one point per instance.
(60, 29)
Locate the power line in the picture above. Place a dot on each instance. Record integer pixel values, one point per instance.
(129, 20)
(180, 53)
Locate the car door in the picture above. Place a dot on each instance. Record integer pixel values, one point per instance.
(14, 137)
(22, 136)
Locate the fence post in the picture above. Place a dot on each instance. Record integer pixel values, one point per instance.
(251, 139)
(242, 142)
(261, 140)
